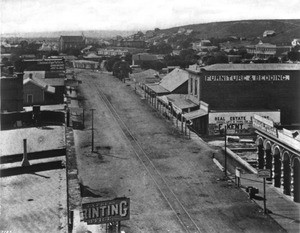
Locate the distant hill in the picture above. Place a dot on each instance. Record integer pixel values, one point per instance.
(57, 34)
(286, 30)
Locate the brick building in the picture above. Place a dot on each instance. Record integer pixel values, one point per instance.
(248, 87)
(11, 89)
(71, 42)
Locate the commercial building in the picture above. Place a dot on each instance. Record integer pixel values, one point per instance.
(11, 91)
(269, 90)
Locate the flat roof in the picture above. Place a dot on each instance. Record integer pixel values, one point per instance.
(195, 114)
(38, 139)
(181, 101)
(157, 88)
(251, 67)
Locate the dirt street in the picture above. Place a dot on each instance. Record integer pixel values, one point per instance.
(172, 182)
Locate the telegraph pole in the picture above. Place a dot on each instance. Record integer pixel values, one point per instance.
(225, 166)
(92, 129)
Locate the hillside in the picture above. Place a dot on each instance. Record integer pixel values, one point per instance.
(286, 30)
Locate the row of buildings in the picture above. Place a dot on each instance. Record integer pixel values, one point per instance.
(39, 82)
(244, 99)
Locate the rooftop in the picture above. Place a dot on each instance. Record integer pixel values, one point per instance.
(248, 67)
(174, 79)
(38, 139)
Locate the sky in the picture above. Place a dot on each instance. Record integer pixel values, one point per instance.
(19, 16)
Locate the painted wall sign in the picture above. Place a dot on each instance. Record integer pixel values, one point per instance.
(262, 125)
(106, 211)
(250, 78)
(237, 122)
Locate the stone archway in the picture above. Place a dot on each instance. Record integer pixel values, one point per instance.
(277, 167)
(286, 173)
(260, 152)
(296, 179)
(268, 158)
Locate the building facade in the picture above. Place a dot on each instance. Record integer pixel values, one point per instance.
(71, 42)
(249, 87)
(11, 91)
(278, 151)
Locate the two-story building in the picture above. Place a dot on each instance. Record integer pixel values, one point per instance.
(269, 90)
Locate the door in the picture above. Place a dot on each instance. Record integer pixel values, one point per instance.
(29, 98)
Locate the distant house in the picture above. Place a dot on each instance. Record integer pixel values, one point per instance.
(268, 33)
(85, 64)
(129, 43)
(295, 42)
(145, 77)
(11, 89)
(203, 45)
(262, 50)
(37, 92)
(137, 59)
(181, 30)
(112, 52)
(71, 42)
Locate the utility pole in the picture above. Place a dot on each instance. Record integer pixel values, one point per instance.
(225, 165)
(92, 129)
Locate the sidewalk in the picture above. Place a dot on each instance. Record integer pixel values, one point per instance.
(281, 207)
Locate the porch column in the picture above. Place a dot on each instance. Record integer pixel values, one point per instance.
(296, 180)
(287, 176)
(277, 170)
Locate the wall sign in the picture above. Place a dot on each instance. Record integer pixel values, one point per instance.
(250, 78)
(106, 211)
(237, 122)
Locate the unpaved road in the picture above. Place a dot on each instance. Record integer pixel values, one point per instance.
(191, 178)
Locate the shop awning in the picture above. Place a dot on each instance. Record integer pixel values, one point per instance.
(163, 99)
(195, 114)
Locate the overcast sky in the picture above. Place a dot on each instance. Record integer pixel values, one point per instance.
(54, 15)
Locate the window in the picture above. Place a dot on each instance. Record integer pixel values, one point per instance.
(29, 98)
(191, 85)
(196, 87)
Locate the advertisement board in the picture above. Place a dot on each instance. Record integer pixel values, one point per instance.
(106, 211)
(240, 122)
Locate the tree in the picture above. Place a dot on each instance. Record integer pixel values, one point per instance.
(110, 63)
(294, 55)
(161, 48)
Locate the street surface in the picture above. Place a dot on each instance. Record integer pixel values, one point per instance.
(172, 182)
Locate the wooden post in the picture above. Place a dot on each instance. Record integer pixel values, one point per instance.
(25, 162)
(92, 129)
(225, 166)
(83, 117)
(181, 123)
(265, 204)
